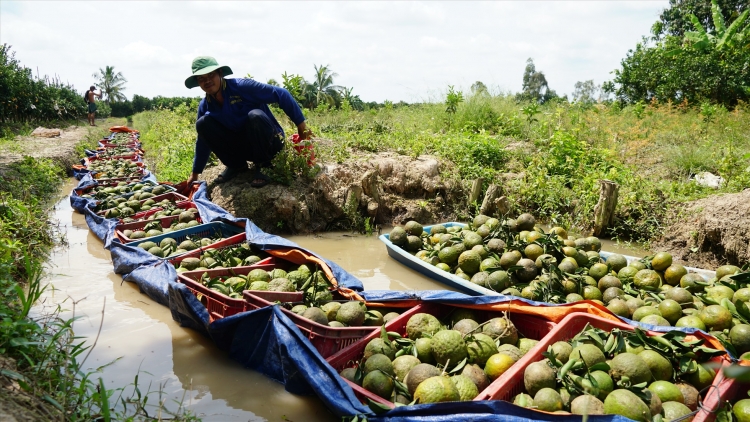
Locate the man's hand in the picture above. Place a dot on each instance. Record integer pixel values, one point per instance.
(304, 132)
(193, 178)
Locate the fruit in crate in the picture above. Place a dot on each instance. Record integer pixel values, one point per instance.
(449, 360)
(620, 372)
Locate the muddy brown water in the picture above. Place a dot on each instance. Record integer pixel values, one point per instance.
(139, 337)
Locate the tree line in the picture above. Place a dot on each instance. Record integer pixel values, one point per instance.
(25, 98)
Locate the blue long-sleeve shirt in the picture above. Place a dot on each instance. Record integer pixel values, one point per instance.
(240, 97)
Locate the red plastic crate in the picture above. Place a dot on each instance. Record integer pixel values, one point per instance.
(143, 215)
(721, 391)
(508, 385)
(165, 223)
(217, 304)
(528, 326)
(172, 196)
(327, 340)
(226, 243)
(269, 264)
(132, 157)
(139, 175)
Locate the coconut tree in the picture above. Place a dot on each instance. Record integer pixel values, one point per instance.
(111, 83)
(325, 90)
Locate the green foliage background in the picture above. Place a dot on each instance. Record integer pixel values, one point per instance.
(25, 98)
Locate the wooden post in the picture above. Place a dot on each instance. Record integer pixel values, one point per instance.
(488, 205)
(604, 211)
(476, 190)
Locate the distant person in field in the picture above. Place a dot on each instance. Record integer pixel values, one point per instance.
(235, 123)
(90, 99)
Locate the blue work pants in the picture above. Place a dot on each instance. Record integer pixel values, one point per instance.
(258, 140)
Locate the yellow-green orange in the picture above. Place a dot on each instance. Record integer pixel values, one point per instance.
(467, 390)
(670, 310)
(598, 271)
(379, 362)
(661, 261)
(403, 364)
(666, 391)
(701, 378)
(739, 335)
(539, 375)
(674, 410)
(741, 410)
(378, 345)
(448, 347)
(674, 274)
(418, 374)
(548, 400)
(631, 366)
(626, 403)
(589, 353)
(691, 321)
(436, 390)
(469, 261)
(420, 324)
(647, 280)
(378, 383)
(497, 365)
(480, 347)
(716, 318)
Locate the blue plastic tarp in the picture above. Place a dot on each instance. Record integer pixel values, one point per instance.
(267, 341)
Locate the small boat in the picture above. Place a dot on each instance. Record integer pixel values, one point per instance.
(411, 261)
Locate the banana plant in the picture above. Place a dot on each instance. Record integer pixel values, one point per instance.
(734, 35)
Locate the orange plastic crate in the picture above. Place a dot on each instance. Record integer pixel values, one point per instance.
(527, 325)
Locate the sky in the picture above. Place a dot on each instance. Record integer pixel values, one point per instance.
(397, 51)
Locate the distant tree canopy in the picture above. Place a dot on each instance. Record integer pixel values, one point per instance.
(585, 92)
(705, 63)
(26, 98)
(321, 92)
(675, 20)
(111, 83)
(535, 86)
(479, 88)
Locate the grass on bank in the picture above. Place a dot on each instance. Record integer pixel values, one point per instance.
(48, 360)
(548, 159)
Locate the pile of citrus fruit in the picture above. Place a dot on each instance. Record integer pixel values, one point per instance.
(436, 361)
(618, 372)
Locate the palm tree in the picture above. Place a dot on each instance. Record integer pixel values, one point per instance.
(325, 90)
(111, 83)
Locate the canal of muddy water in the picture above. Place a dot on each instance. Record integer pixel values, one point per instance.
(139, 337)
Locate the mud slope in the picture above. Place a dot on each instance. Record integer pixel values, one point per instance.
(712, 232)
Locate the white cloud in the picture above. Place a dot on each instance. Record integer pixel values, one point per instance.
(386, 50)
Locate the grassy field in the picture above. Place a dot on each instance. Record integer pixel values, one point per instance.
(549, 159)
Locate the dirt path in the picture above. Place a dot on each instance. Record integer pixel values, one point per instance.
(60, 149)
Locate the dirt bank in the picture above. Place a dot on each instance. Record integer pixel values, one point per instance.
(387, 188)
(711, 232)
(60, 149)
